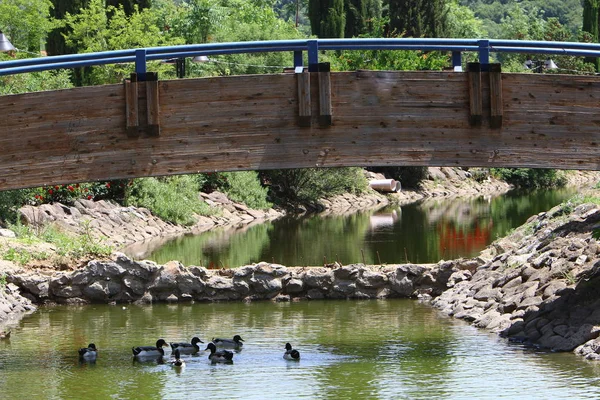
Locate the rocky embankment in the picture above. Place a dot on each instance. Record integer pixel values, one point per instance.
(124, 280)
(540, 285)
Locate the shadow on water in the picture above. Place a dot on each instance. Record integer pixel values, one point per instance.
(424, 232)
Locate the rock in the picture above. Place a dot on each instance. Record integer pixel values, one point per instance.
(7, 233)
(294, 286)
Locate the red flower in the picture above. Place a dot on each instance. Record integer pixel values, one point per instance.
(56, 187)
(77, 185)
(89, 197)
(71, 188)
(50, 191)
(108, 185)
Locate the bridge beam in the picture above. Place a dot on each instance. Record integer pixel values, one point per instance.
(234, 123)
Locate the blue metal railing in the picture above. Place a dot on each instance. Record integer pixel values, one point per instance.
(310, 46)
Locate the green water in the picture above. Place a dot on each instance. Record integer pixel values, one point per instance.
(420, 233)
(379, 349)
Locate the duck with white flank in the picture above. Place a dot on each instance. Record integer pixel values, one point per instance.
(291, 354)
(235, 343)
(187, 348)
(220, 356)
(88, 353)
(177, 362)
(150, 351)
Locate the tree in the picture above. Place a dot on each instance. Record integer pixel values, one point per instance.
(94, 30)
(26, 22)
(359, 15)
(129, 6)
(327, 18)
(590, 24)
(418, 18)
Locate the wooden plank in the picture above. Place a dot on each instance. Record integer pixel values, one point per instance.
(325, 109)
(251, 122)
(152, 104)
(132, 106)
(303, 98)
(496, 106)
(475, 96)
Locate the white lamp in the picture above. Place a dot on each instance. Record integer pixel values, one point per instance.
(5, 44)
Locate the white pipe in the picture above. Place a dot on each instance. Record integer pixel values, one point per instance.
(384, 185)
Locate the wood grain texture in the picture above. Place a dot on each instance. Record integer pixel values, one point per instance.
(304, 107)
(251, 123)
(496, 110)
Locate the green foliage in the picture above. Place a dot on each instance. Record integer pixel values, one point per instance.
(26, 23)
(402, 60)
(64, 244)
(529, 24)
(530, 178)
(418, 18)
(359, 16)
(245, 187)
(11, 201)
(461, 22)
(174, 199)
(327, 18)
(492, 13)
(294, 187)
(100, 28)
(34, 81)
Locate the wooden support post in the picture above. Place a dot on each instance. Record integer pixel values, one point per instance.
(495, 96)
(304, 110)
(131, 106)
(475, 98)
(152, 104)
(325, 109)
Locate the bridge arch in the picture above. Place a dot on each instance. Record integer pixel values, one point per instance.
(314, 117)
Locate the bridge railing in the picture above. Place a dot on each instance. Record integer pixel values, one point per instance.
(309, 46)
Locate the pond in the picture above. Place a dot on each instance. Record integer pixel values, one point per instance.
(378, 349)
(423, 232)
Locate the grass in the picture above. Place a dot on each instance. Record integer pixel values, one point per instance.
(65, 245)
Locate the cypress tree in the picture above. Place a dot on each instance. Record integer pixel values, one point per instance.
(327, 18)
(418, 18)
(55, 43)
(359, 14)
(590, 25)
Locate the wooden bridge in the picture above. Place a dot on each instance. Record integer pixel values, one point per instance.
(310, 118)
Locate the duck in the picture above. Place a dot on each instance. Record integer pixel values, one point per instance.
(88, 353)
(5, 334)
(177, 362)
(150, 351)
(220, 356)
(187, 348)
(235, 343)
(291, 354)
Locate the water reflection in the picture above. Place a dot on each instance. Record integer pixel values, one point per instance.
(422, 233)
(385, 349)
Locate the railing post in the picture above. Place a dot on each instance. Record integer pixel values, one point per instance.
(298, 62)
(457, 61)
(140, 64)
(484, 55)
(313, 56)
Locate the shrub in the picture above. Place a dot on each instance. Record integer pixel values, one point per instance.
(293, 187)
(174, 199)
(11, 201)
(245, 187)
(529, 177)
